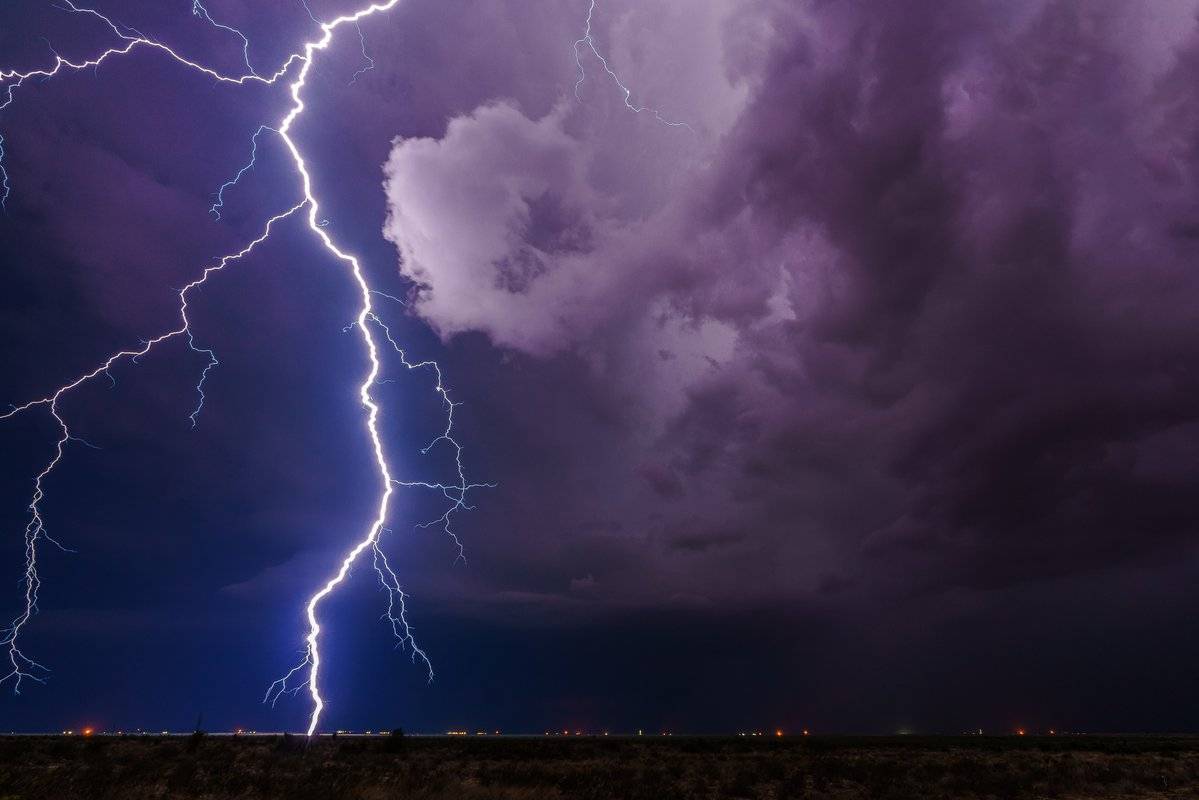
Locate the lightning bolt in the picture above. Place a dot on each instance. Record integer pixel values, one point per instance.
(12, 79)
(5, 189)
(368, 63)
(456, 493)
(588, 42)
(308, 9)
(216, 207)
(202, 12)
(23, 667)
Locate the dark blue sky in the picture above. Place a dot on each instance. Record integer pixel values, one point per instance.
(868, 401)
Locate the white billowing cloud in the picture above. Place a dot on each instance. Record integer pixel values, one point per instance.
(543, 232)
(461, 210)
(502, 230)
(515, 228)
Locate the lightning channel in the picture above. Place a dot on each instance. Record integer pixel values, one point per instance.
(216, 207)
(5, 188)
(366, 315)
(200, 11)
(368, 63)
(309, 668)
(20, 666)
(588, 42)
(13, 79)
(457, 492)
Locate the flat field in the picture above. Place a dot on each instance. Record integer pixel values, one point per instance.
(600, 768)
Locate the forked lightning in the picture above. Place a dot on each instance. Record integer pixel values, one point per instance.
(298, 66)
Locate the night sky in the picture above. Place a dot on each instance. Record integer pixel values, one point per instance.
(869, 400)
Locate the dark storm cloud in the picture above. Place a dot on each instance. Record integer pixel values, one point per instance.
(934, 273)
(1016, 292)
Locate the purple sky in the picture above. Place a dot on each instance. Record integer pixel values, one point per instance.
(869, 399)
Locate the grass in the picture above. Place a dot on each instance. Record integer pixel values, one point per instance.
(599, 768)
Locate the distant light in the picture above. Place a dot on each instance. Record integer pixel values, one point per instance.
(805, 731)
(780, 733)
(87, 731)
(1019, 731)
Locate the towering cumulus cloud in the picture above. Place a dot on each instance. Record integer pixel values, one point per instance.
(533, 221)
(914, 308)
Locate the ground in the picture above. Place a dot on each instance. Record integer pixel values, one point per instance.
(628, 768)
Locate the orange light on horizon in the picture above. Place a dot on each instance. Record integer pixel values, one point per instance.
(778, 733)
(88, 731)
(805, 731)
(1019, 731)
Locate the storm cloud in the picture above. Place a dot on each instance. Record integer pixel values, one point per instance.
(913, 312)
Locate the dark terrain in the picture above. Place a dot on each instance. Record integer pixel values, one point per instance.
(652, 768)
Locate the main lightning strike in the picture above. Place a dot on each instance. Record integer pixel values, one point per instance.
(312, 656)
(24, 667)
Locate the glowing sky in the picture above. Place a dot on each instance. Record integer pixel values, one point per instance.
(868, 400)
